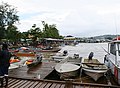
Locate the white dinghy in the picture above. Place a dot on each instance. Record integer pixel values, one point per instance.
(67, 70)
(69, 67)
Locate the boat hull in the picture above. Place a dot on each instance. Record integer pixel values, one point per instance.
(25, 54)
(94, 73)
(70, 74)
(49, 50)
(59, 58)
(35, 62)
(114, 70)
(95, 69)
(67, 70)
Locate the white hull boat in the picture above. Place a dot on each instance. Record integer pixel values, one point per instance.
(60, 56)
(13, 66)
(69, 67)
(94, 69)
(67, 70)
(112, 59)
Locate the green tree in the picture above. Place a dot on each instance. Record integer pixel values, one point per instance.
(50, 31)
(12, 34)
(35, 32)
(25, 35)
(7, 17)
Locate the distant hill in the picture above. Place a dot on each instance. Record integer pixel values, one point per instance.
(105, 37)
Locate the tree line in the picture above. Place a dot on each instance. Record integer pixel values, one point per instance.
(8, 30)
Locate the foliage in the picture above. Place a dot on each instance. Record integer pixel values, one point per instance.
(50, 31)
(7, 18)
(24, 35)
(12, 34)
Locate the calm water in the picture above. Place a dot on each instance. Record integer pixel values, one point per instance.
(83, 49)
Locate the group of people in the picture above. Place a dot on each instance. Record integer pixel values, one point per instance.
(5, 56)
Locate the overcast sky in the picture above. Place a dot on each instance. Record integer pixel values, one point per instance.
(81, 18)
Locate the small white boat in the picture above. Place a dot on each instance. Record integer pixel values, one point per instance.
(67, 70)
(16, 62)
(13, 66)
(34, 62)
(69, 67)
(94, 68)
(60, 56)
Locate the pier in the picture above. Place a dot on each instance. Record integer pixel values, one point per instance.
(35, 83)
(40, 71)
(44, 76)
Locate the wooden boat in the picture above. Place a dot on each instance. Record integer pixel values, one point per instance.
(34, 62)
(48, 50)
(25, 54)
(112, 58)
(60, 56)
(69, 67)
(94, 68)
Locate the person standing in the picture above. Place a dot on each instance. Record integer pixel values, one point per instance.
(5, 56)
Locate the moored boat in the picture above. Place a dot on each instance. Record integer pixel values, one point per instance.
(94, 68)
(16, 62)
(25, 54)
(69, 67)
(47, 49)
(60, 56)
(67, 70)
(13, 66)
(112, 59)
(35, 61)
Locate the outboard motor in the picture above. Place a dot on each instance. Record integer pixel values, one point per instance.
(76, 55)
(65, 52)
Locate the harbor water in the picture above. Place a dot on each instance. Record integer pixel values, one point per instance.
(83, 49)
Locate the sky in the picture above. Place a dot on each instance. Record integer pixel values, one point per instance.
(80, 18)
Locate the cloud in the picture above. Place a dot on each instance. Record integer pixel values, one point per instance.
(77, 18)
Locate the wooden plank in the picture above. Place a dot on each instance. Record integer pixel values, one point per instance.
(22, 83)
(43, 84)
(15, 85)
(48, 85)
(34, 84)
(38, 85)
(62, 86)
(9, 79)
(53, 85)
(23, 86)
(30, 84)
(58, 85)
(12, 83)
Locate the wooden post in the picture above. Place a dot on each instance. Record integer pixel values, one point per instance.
(68, 84)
